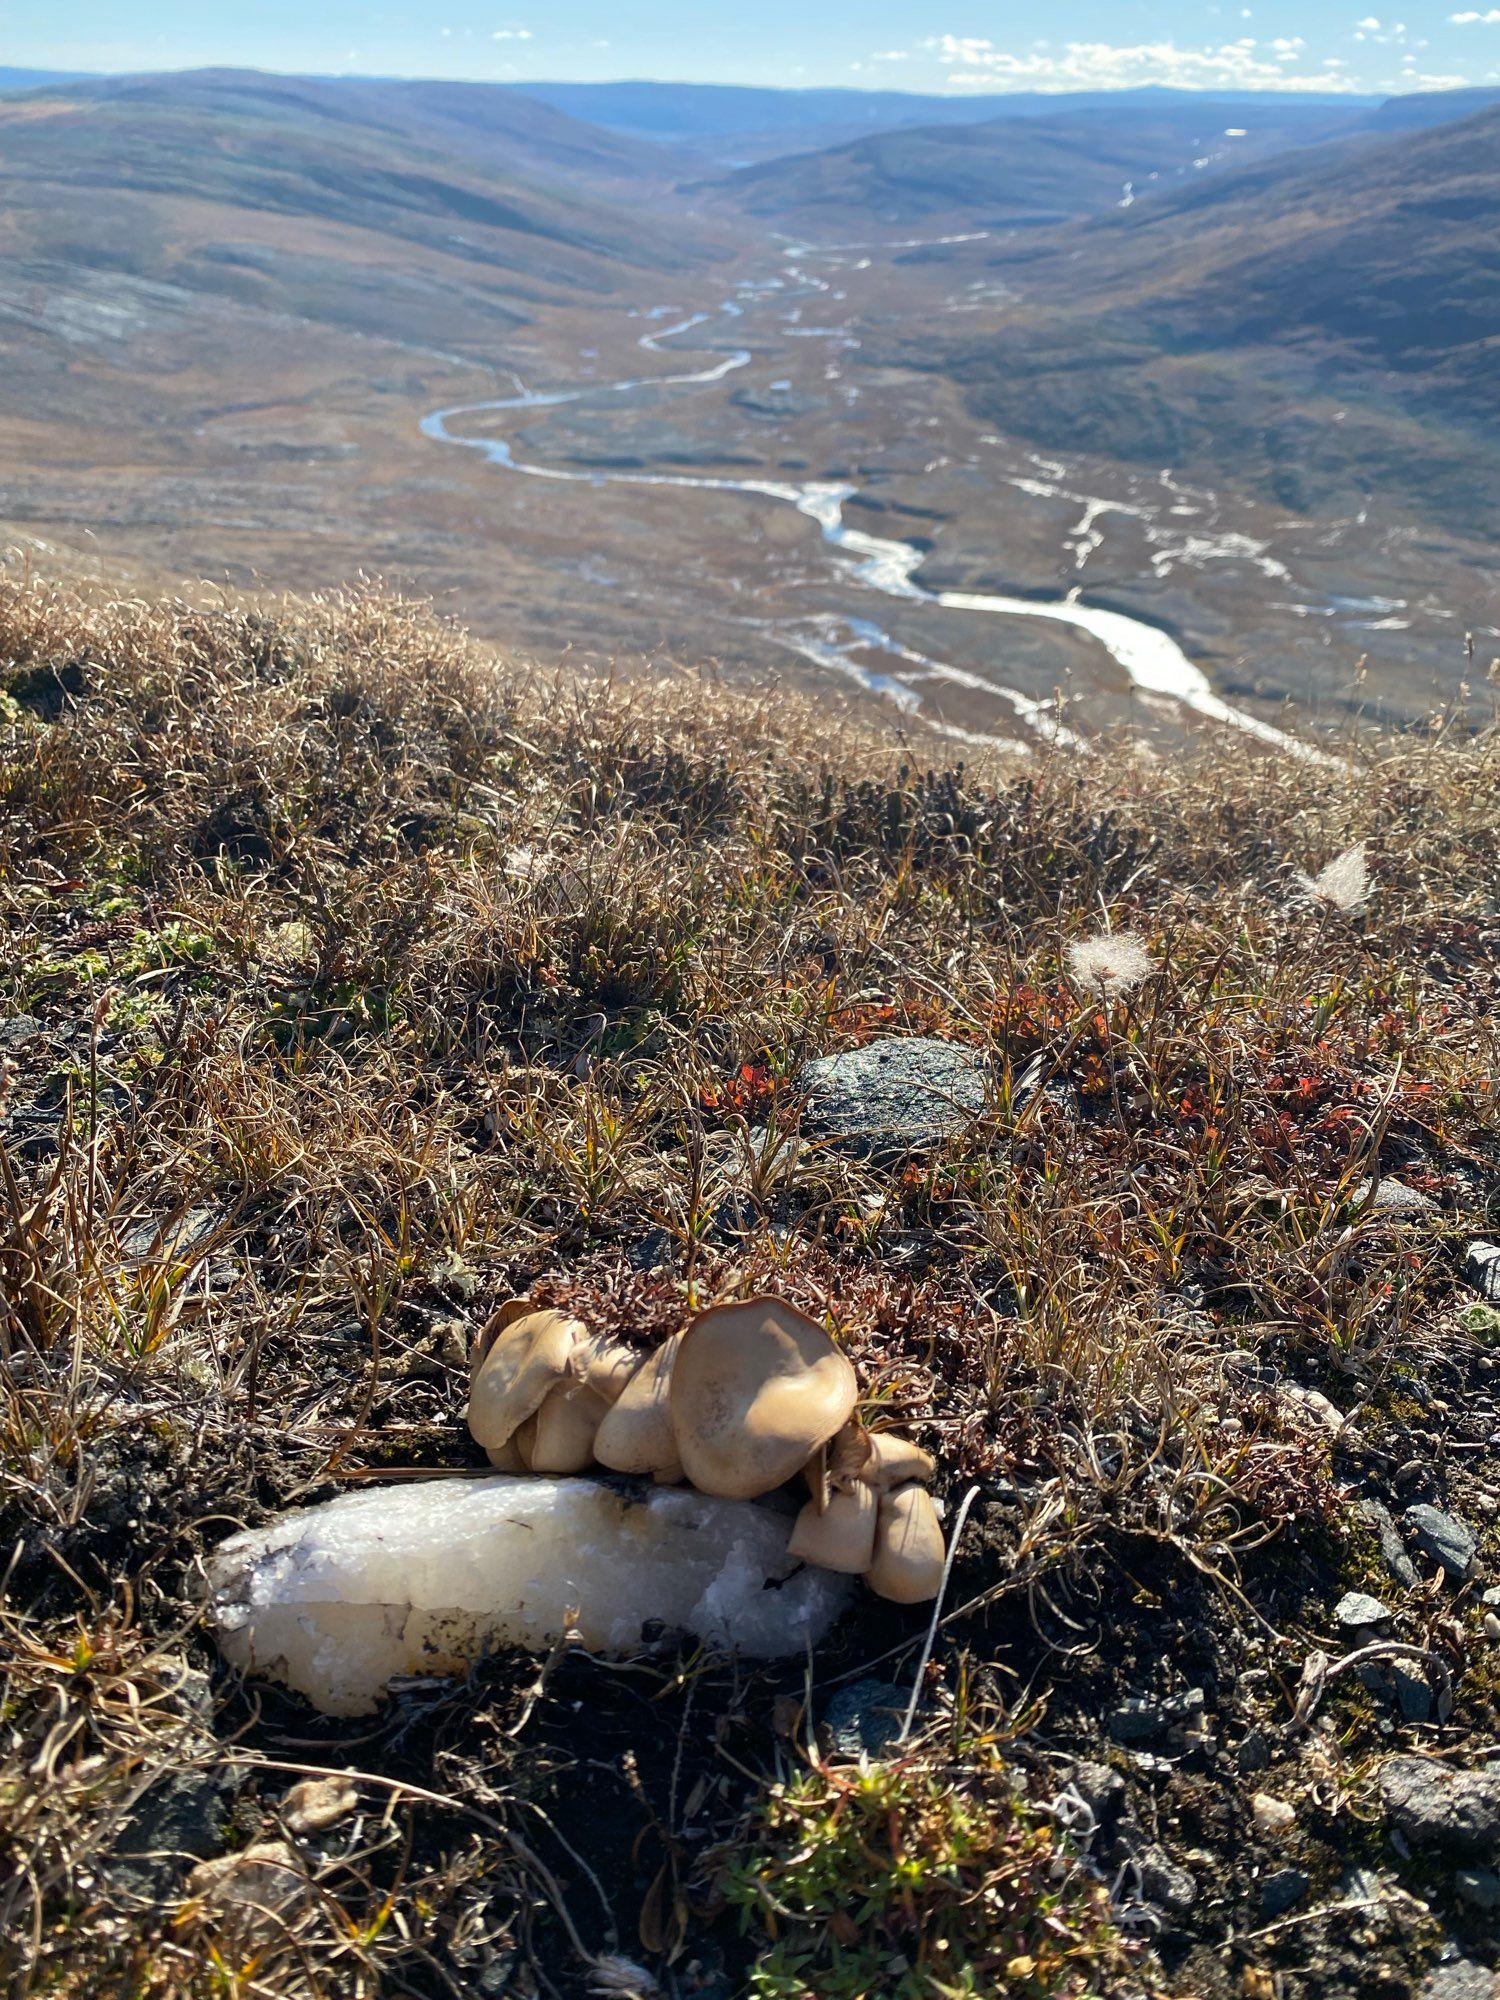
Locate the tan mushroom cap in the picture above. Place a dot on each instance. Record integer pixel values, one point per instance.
(908, 1565)
(842, 1536)
(505, 1314)
(526, 1358)
(636, 1434)
(605, 1365)
(896, 1461)
(566, 1426)
(755, 1389)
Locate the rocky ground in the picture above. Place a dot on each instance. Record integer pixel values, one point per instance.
(1143, 1164)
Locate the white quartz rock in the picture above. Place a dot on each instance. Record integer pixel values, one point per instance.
(335, 1600)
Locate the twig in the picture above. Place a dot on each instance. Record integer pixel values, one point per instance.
(937, 1609)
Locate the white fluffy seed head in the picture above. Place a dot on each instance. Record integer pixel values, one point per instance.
(1343, 885)
(1110, 965)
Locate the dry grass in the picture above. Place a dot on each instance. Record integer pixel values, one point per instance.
(364, 978)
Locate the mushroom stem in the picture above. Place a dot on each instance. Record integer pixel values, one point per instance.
(841, 1536)
(908, 1565)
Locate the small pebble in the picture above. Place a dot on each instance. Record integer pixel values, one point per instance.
(318, 1803)
(1274, 1818)
(1356, 1609)
(1282, 1891)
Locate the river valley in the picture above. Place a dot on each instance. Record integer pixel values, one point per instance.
(1015, 666)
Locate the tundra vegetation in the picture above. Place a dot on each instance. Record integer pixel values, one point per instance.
(356, 981)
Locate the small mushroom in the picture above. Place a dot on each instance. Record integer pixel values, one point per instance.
(505, 1314)
(908, 1565)
(755, 1389)
(842, 1535)
(896, 1461)
(636, 1434)
(507, 1457)
(524, 1443)
(604, 1365)
(527, 1357)
(566, 1426)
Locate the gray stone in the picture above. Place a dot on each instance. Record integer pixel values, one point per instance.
(1254, 1753)
(1356, 1609)
(1162, 1881)
(1443, 1537)
(1387, 1197)
(894, 1097)
(1392, 1549)
(1101, 1789)
(1363, 1885)
(170, 1237)
(181, 1817)
(1253, 1367)
(1413, 1695)
(866, 1717)
(1283, 1891)
(1459, 1979)
(1479, 1886)
(1482, 1269)
(1139, 1719)
(1434, 1805)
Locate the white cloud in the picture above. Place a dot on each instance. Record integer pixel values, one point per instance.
(1489, 19)
(891, 55)
(511, 35)
(1370, 25)
(975, 63)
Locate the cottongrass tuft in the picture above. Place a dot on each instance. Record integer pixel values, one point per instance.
(1343, 885)
(1110, 965)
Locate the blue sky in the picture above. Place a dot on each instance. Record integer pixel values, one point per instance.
(1087, 44)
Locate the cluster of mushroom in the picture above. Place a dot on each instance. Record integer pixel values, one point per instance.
(747, 1397)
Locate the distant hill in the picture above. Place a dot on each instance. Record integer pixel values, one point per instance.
(1317, 325)
(1028, 171)
(35, 79)
(1428, 107)
(421, 212)
(1391, 250)
(733, 124)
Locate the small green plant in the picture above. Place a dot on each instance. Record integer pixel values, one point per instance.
(928, 1876)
